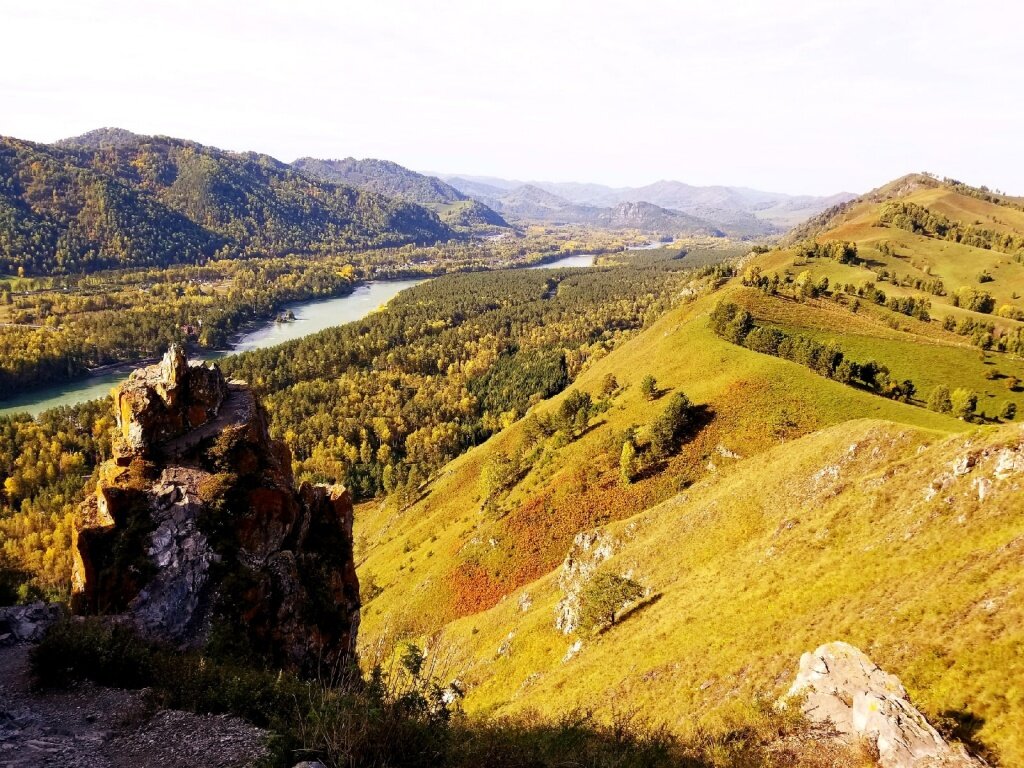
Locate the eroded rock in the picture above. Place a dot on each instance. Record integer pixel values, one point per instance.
(840, 686)
(197, 533)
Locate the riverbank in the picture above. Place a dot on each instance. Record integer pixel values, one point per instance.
(311, 316)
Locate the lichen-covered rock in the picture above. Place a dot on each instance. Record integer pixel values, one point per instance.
(199, 537)
(162, 401)
(840, 686)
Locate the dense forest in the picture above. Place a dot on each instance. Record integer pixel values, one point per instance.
(398, 394)
(379, 404)
(154, 201)
(59, 327)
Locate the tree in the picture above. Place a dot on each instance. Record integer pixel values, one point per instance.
(604, 596)
(627, 462)
(939, 400)
(1009, 411)
(668, 429)
(574, 412)
(609, 384)
(649, 387)
(963, 402)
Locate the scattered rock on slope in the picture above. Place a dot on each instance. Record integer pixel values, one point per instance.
(844, 688)
(589, 549)
(197, 530)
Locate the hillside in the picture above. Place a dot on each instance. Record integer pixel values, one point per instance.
(393, 180)
(797, 510)
(115, 199)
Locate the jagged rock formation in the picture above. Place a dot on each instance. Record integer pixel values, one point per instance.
(198, 535)
(841, 687)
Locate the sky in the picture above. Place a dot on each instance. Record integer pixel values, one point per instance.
(783, 95)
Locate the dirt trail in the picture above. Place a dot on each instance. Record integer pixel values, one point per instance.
(94, 727)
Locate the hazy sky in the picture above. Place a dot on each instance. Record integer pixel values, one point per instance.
(812, 96)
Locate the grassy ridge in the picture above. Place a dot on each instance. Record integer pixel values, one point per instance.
(801, 511)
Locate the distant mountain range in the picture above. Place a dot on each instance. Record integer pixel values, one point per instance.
(737, 211)
(112, 198)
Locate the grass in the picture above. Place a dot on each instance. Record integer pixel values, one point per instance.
(401, 720)
(824, 528)
(830, 537)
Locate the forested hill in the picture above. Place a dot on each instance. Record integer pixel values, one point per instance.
(114, 199)
(394, 180)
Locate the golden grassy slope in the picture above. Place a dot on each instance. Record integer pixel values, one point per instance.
(801, 540)
(833, 536)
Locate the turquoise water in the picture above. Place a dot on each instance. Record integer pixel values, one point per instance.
(310, 317)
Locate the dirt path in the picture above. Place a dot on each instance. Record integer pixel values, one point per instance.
(93, 727)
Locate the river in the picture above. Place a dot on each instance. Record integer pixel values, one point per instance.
(582, 260)
(310, 317)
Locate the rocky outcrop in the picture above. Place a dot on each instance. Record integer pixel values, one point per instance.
(198, 535)
(840, 687)
(589, 549)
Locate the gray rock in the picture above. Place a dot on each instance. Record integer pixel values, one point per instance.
(27, 623)
(840, 686)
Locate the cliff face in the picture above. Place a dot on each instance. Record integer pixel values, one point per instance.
(198, 535)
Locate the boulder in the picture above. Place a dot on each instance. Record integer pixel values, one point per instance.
(198, 536)
(839, 686)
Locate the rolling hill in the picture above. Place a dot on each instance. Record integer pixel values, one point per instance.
(115, 199)
(798, 510)
(393, 180)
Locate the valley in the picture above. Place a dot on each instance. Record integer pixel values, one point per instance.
(763, 446)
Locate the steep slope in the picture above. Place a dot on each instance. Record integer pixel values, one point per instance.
(393, 180)
(112, 199)
(798, 509)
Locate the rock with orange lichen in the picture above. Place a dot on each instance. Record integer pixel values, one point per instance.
(198, 535)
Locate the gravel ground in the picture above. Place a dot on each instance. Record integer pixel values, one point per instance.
(94, 727)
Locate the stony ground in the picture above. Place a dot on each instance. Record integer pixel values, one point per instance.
(94, 727)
